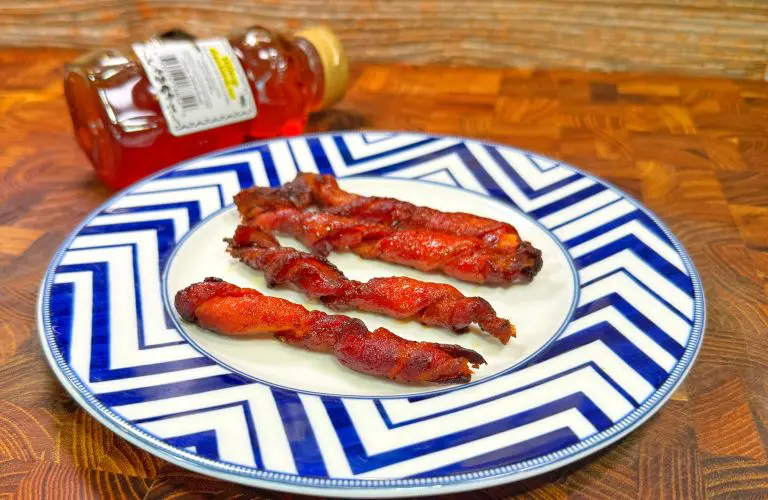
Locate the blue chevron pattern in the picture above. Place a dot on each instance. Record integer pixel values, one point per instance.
(634, 333)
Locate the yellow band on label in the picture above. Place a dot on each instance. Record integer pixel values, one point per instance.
(227, 72)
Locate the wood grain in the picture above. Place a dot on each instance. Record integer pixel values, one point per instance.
(694, 150)
(708, 37)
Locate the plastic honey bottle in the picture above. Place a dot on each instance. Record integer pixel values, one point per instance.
(139, 109)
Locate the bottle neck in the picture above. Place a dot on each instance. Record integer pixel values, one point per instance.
(316, 67)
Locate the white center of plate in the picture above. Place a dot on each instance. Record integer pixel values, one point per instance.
(538, 310)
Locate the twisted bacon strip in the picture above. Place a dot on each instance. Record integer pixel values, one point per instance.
(464, 246)
(230, 310)
(398, 297)
(324, 191)
(461, 257)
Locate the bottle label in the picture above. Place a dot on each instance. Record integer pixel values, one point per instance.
(200, 85)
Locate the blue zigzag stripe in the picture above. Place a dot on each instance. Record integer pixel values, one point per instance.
(205, 443)
(441, 171)
(361, 462)
(163, 228)
(192, 208)
(174, 389)
(306, 451)
(645, 253)
(518, 180)
(619, 344)
(569, 200)
(349, 160)
(662, 302)
(473, 166)
(246, 414)
(243, 171)
(645, 325)
(536, 447)
(381, 138)
(635, 215)
(100, 356)
(62, 313)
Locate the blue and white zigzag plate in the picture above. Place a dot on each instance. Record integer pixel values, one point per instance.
(607, 330)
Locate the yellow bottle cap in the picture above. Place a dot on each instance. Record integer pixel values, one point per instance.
(333, 59)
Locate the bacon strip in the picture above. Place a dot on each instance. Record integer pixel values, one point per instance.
(230, 310)
(324, 191)
(418, 237)
(397, 297)
(461, 257)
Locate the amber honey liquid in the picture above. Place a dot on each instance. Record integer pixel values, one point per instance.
(119, 123)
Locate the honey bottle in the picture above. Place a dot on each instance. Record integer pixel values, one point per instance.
(173, 97)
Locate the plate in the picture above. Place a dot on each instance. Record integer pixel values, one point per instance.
(607, 330)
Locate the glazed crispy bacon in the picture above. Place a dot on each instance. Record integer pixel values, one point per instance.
(324, 191)
(461, 257)
(230, 310)
(463, 246)
(398, 297)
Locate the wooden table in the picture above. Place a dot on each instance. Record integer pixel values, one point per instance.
(694, 150)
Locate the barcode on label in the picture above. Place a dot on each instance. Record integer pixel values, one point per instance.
(182, 84)
(197, 83)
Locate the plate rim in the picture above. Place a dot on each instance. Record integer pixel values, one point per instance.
(383, 488)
